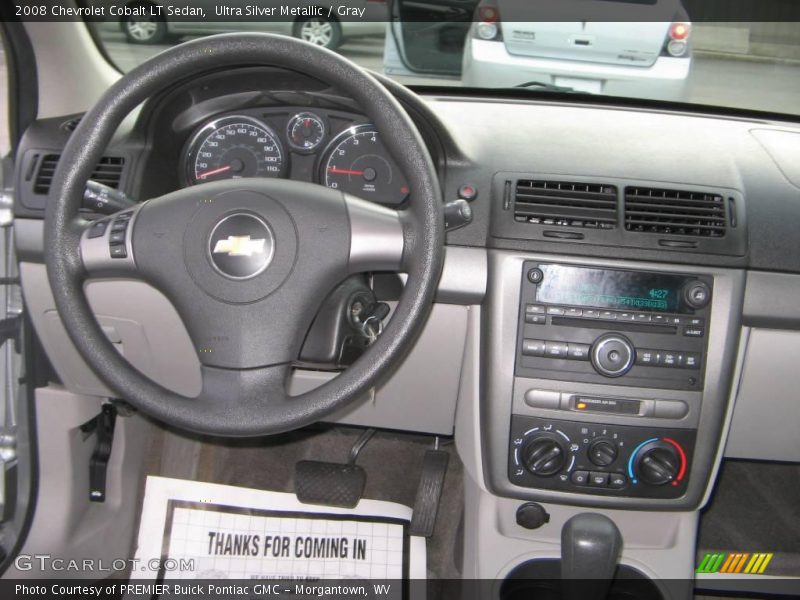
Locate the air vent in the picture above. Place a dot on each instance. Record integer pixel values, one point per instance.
(108, 172)
(674, 212)
(563, 203)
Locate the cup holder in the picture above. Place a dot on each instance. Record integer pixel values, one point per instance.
(540, 579)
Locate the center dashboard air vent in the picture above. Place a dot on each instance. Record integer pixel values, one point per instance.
(565, 203)
(108, 172)
(675, 212)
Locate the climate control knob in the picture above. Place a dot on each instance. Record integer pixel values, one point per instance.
(602, 452)
(612, 355)
(544, 455)
(657, 463)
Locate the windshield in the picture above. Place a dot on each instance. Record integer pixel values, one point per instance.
(666, 50)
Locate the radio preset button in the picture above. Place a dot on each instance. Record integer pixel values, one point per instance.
(556, 349)
(591, 314)
(659, 319)
(646, 357)
(608, 315)
(579, 351)
(534, 309)
(643, 317)
(533, 347)
(626, 316)
(691, 360)
(555, 310)
(573, 312)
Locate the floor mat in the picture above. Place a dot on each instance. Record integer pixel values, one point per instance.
(755, 508)
(393, 462)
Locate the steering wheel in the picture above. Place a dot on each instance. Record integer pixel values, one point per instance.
(246, 262)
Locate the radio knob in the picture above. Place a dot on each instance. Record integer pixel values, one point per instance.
(602, 453)
(697, 294)
(544, 455)
(657, 464)
(612, 355)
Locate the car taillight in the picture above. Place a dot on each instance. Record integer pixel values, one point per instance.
(488, 23)
(678, 39)
(679, 31)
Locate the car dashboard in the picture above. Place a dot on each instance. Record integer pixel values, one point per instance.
(609, 324)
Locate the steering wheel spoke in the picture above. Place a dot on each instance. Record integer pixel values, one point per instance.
(106, 245)
(376, 236)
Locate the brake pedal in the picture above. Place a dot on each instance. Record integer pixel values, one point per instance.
(332, 484)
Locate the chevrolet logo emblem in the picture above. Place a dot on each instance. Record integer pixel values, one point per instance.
(239, 245)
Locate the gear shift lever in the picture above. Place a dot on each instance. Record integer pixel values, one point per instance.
(590, 548)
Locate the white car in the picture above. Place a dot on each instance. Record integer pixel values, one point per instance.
(143, 22)
(648, 55)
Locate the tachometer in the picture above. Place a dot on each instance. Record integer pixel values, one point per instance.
(232, 147)
(359, 164)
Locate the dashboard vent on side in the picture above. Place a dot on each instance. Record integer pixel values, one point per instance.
(108, 172)
(564, 203)
(674, 212)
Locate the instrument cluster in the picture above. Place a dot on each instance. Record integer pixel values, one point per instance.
(332, 148)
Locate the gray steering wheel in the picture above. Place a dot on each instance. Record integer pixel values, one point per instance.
(247, 318)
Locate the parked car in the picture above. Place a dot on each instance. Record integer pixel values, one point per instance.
(639, 57)
(644, 53)
(143, 23)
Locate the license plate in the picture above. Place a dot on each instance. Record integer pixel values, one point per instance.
(591, 86)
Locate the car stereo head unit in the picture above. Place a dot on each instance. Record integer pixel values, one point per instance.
(619, 290)
(600, 325)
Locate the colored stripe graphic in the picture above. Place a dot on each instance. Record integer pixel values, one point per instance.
(735, 562)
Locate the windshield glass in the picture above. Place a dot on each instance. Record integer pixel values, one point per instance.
(666, 50)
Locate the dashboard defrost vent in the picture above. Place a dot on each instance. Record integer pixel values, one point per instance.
(674, 212)
(565, 203)
(108, 172)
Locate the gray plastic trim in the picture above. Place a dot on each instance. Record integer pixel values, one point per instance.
(505, 269)
(766, 420)
(66, 524)
(376, 236)
(770, 300)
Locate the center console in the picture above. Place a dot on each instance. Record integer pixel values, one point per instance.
(608, 381)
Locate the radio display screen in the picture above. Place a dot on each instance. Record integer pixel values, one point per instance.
(610, 288)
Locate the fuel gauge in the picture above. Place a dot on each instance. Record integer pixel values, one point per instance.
(305, 131)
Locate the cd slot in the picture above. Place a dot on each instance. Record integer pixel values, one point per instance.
(614, 325)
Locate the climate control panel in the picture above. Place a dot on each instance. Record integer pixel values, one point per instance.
(587, 458)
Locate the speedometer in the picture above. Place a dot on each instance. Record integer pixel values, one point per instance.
(359, 164)
(233, 147)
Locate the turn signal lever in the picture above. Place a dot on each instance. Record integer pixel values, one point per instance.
(102, 199)
(590, 548)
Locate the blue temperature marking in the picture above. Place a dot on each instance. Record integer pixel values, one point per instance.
(633, 455)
